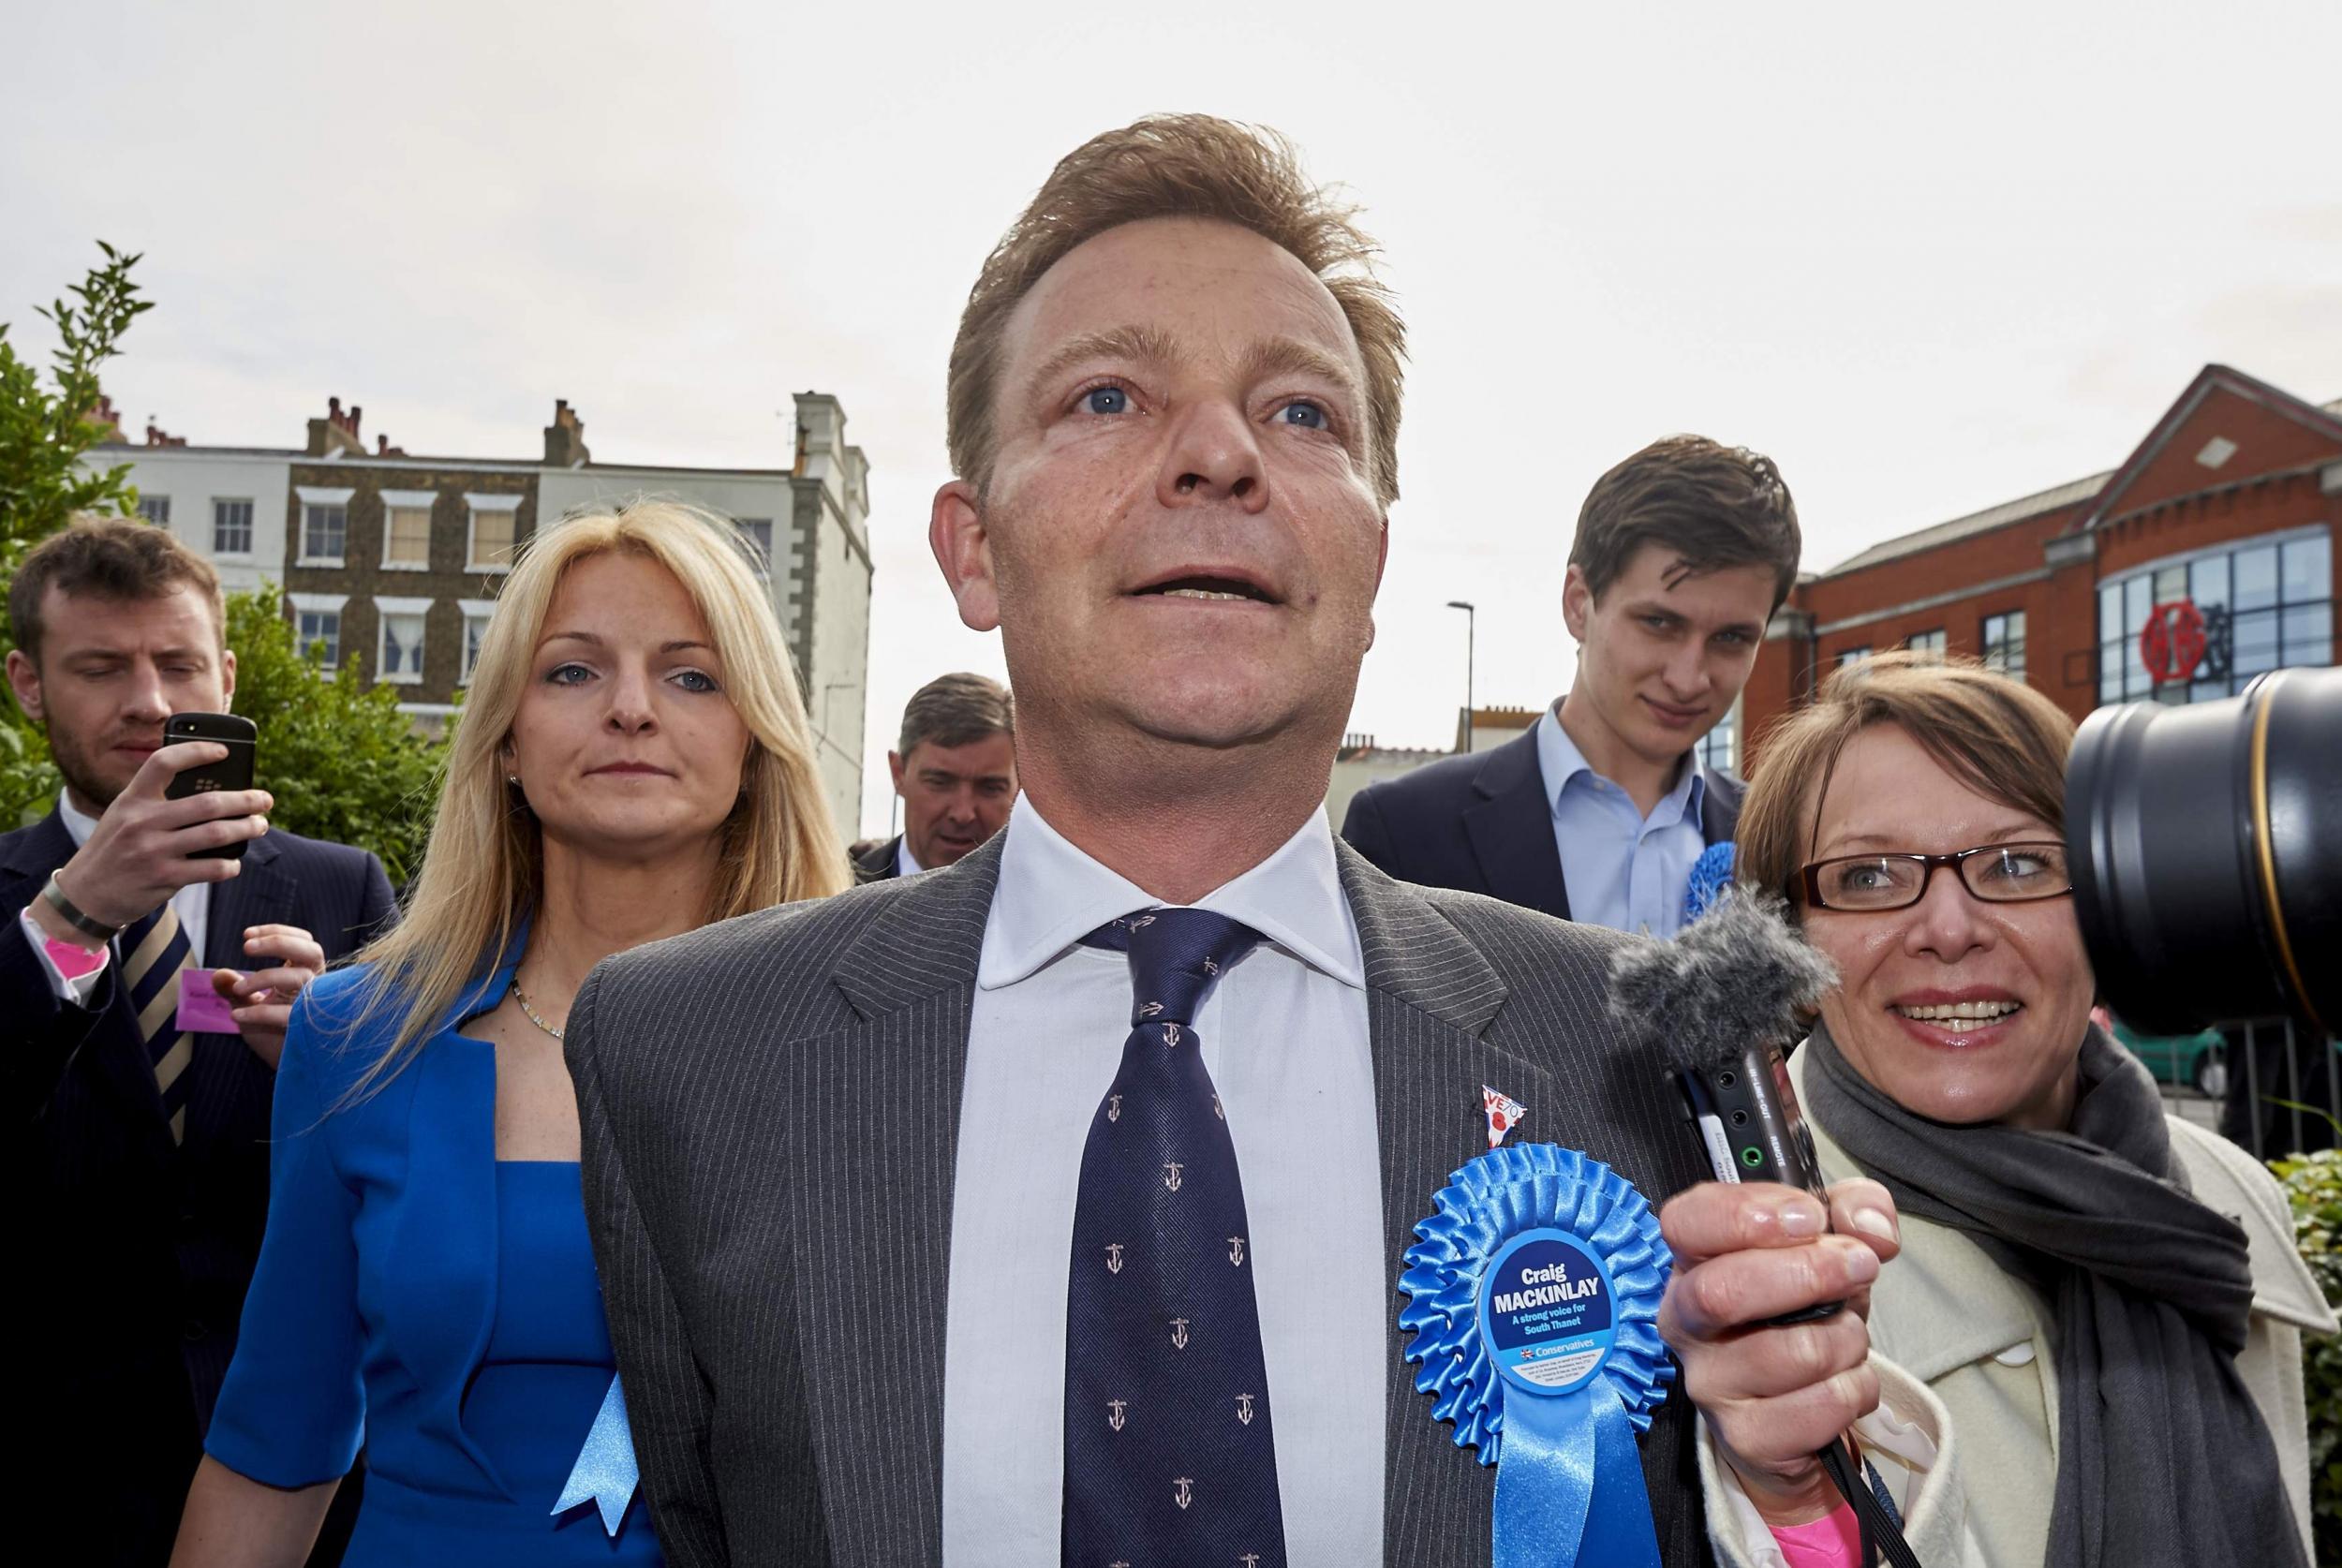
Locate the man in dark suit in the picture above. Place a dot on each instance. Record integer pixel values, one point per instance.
(865, 1176)
(1601, 811)
(142, 1150)
(955, 767)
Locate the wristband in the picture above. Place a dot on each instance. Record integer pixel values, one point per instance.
(73, 915)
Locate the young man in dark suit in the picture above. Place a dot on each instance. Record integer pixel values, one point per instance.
(955, 768)
(863, 1175)
(142, 1150)
(1602, 810)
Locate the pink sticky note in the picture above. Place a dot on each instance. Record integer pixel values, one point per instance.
(202, 1010)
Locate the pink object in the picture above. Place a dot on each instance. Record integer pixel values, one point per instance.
(202, 1010)
(1834, 1542)
(73, 960)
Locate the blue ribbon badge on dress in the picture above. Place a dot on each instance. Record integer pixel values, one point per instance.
(1534, 1291)
(605, 1472)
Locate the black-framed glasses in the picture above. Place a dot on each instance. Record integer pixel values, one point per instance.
(1994, 873)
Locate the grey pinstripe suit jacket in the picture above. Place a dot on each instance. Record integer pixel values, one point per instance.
(771, 1109)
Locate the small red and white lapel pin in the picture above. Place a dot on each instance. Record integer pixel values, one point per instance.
(1504, 1113)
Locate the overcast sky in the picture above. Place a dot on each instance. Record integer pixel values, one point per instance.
(1929, 260)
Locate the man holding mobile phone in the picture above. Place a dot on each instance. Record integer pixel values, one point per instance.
(141, 1136)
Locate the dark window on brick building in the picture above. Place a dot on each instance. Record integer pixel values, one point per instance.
(2003, 643)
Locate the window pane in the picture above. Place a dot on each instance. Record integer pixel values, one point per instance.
(2307, 572)
(231, 527)
(2256, 642)
(1926, 642)
(321, 532)
(409, 542)
(2257, 577)
(2308, 633)
(322, 626)
(492, 538)
(2207, 581)
(1852, 656)
(2110, 611)
(2137, 599)
(758, 531)
(474, 627)
(155, 509)
(401, 647)
(2171, 583)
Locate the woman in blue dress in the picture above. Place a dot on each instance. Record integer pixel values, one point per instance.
(635, 762)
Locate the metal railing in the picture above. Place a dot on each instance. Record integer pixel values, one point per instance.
(2281, 1089)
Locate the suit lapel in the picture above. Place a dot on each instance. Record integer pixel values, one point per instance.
(878, 1100)
(261, 889)
(1430, 996)
(1511, 829)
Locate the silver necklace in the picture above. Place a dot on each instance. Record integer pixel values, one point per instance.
(534, 1017)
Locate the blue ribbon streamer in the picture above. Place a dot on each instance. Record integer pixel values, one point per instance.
(1562, 1458)
(605, 1472)
(1570, 1481)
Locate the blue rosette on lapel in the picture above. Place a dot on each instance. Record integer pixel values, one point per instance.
(1712, 873)
(1534, 1296)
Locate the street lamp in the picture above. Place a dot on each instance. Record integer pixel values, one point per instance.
(1472, 619)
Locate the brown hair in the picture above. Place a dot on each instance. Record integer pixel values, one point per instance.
(1998, 736)
(106, 557)
(1179, 166)
(1712, 505)
(956, 710)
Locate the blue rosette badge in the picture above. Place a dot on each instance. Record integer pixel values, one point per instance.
(1534, 1296)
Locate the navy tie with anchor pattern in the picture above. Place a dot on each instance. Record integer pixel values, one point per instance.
(1169, 1459)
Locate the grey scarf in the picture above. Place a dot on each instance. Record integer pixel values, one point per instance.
(2163, 1460)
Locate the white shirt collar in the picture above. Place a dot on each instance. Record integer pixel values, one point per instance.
(1051, 895)
(906, 864)
(77, 822)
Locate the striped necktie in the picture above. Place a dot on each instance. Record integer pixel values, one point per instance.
(1169, 1458)
(154, 952)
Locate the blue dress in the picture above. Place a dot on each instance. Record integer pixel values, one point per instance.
(418, 1295)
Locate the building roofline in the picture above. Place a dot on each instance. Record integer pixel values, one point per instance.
(2105, 487)
(126, 452)
(2005, 514)
(2211, 378)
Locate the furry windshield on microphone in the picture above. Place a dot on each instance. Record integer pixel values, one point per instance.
(1736, 976)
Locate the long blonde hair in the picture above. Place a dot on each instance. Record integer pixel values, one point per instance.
(483, 867)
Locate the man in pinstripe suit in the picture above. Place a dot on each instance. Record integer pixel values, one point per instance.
(833, 1153)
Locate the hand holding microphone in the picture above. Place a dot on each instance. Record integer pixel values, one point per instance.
(1755, 1311)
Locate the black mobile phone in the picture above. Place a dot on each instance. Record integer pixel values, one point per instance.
(1751, 1130)
(232, 772)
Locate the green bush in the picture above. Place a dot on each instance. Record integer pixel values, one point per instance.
(2313, 1183)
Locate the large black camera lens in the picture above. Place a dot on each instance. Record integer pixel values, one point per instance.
(2206, 844)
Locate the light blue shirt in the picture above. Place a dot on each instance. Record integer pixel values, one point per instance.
(1622, 869)
(1284, 1037)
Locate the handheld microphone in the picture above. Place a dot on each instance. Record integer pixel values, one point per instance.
(1721, 1004)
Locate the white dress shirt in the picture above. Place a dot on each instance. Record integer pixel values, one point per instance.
(906, 864)
(1621, 869)
(1284, 1039)
(193, 902)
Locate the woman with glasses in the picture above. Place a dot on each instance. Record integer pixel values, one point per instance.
(2105, 1299)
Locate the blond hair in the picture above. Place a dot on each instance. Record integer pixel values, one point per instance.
(1998, 736)
(483, 867)
(1179, 166)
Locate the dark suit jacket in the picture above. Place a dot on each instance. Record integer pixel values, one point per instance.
(877, 864)
(771, 1115)
(134, 1255)
(1483, 823)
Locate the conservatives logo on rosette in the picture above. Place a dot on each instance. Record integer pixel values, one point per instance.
(1533, 1295)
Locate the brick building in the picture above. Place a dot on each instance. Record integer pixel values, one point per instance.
(394, 561)
(2204, 559)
